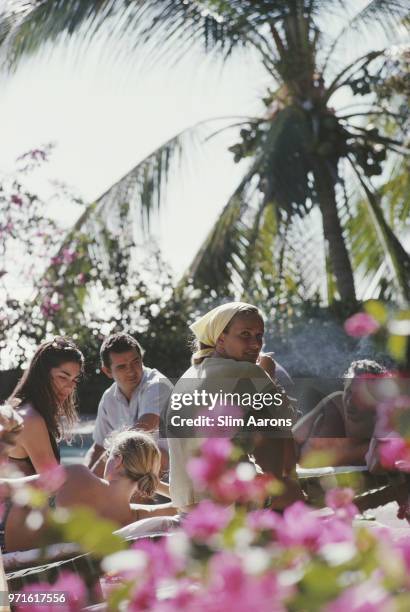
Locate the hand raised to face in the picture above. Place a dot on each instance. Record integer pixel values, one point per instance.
(267, 363)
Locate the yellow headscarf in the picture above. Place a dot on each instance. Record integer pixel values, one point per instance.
(211, 325)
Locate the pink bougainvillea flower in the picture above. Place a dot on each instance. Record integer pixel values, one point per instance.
(301, 527)
(143, 598)
(185, 598)
(389, 415)
(239, 485)
(162, 562)
(365, 597)
(80, 278)
(361, 324)
(69, 256)
(264, 520)
(40, 587)
(339, 497)
(52, 478)
(403, 548)
(212, 463)
(395, 454)
(337, 529)
(68, 585)
(16, 199)
(74, 586)
(341, 501)
(232, 588)
(206, 520)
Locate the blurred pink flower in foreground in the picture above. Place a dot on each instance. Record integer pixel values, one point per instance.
(68, 585)
(303, 527)
(361, 324)
(395, 454)
(161, 563)
(206, 520)
(366, 597)
(233, 588)
(206, 469)
(264, 520)
(341, 501)
(52, 478)
(233, 487)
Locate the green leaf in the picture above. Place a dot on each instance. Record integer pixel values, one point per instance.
(377, 310)
(397, 347)
(94, 534)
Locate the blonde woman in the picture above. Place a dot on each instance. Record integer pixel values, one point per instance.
(227, 357)
(132, 467)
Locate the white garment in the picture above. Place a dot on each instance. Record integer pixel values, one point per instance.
(212, 374)
(115, 412)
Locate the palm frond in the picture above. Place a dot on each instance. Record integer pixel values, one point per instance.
(136, 195)
(387, 13)
(396, 194)
(365, 248)
(224, 250)
(173, 25)
(25, 25)
(392, 247)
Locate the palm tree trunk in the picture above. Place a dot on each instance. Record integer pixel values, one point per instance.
(332, 229)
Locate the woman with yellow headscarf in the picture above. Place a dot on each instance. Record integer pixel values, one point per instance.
(229, 340)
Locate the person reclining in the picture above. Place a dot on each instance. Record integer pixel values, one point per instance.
(133, 466)
(341, 425)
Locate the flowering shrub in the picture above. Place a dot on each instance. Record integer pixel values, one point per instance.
(231, 553)
(225, 557)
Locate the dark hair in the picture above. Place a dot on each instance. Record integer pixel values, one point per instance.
(118, 343)
(364, 366)
(35, 385)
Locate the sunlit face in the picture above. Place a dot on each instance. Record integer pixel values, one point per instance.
(111, 466)
(64, 379)
(243, 340)
(125, 369)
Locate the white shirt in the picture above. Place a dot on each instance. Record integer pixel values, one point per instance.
(115, 412)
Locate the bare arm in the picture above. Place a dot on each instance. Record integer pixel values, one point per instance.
(148, 422)
(35, 440)
(143, 511)
(95, 459)
(303, 428)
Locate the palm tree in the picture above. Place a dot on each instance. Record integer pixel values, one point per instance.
(301, 149)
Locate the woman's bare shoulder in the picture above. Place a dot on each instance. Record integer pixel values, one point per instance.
(80, 486)
(78, 471)
(30, 415)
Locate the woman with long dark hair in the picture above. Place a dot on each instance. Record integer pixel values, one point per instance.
(44, 398)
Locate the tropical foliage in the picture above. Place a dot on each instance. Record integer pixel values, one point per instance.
(52, 282)
(238, 555)
(306, 156)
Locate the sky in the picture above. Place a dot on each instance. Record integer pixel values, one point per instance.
(106, 112)
(105, 116)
